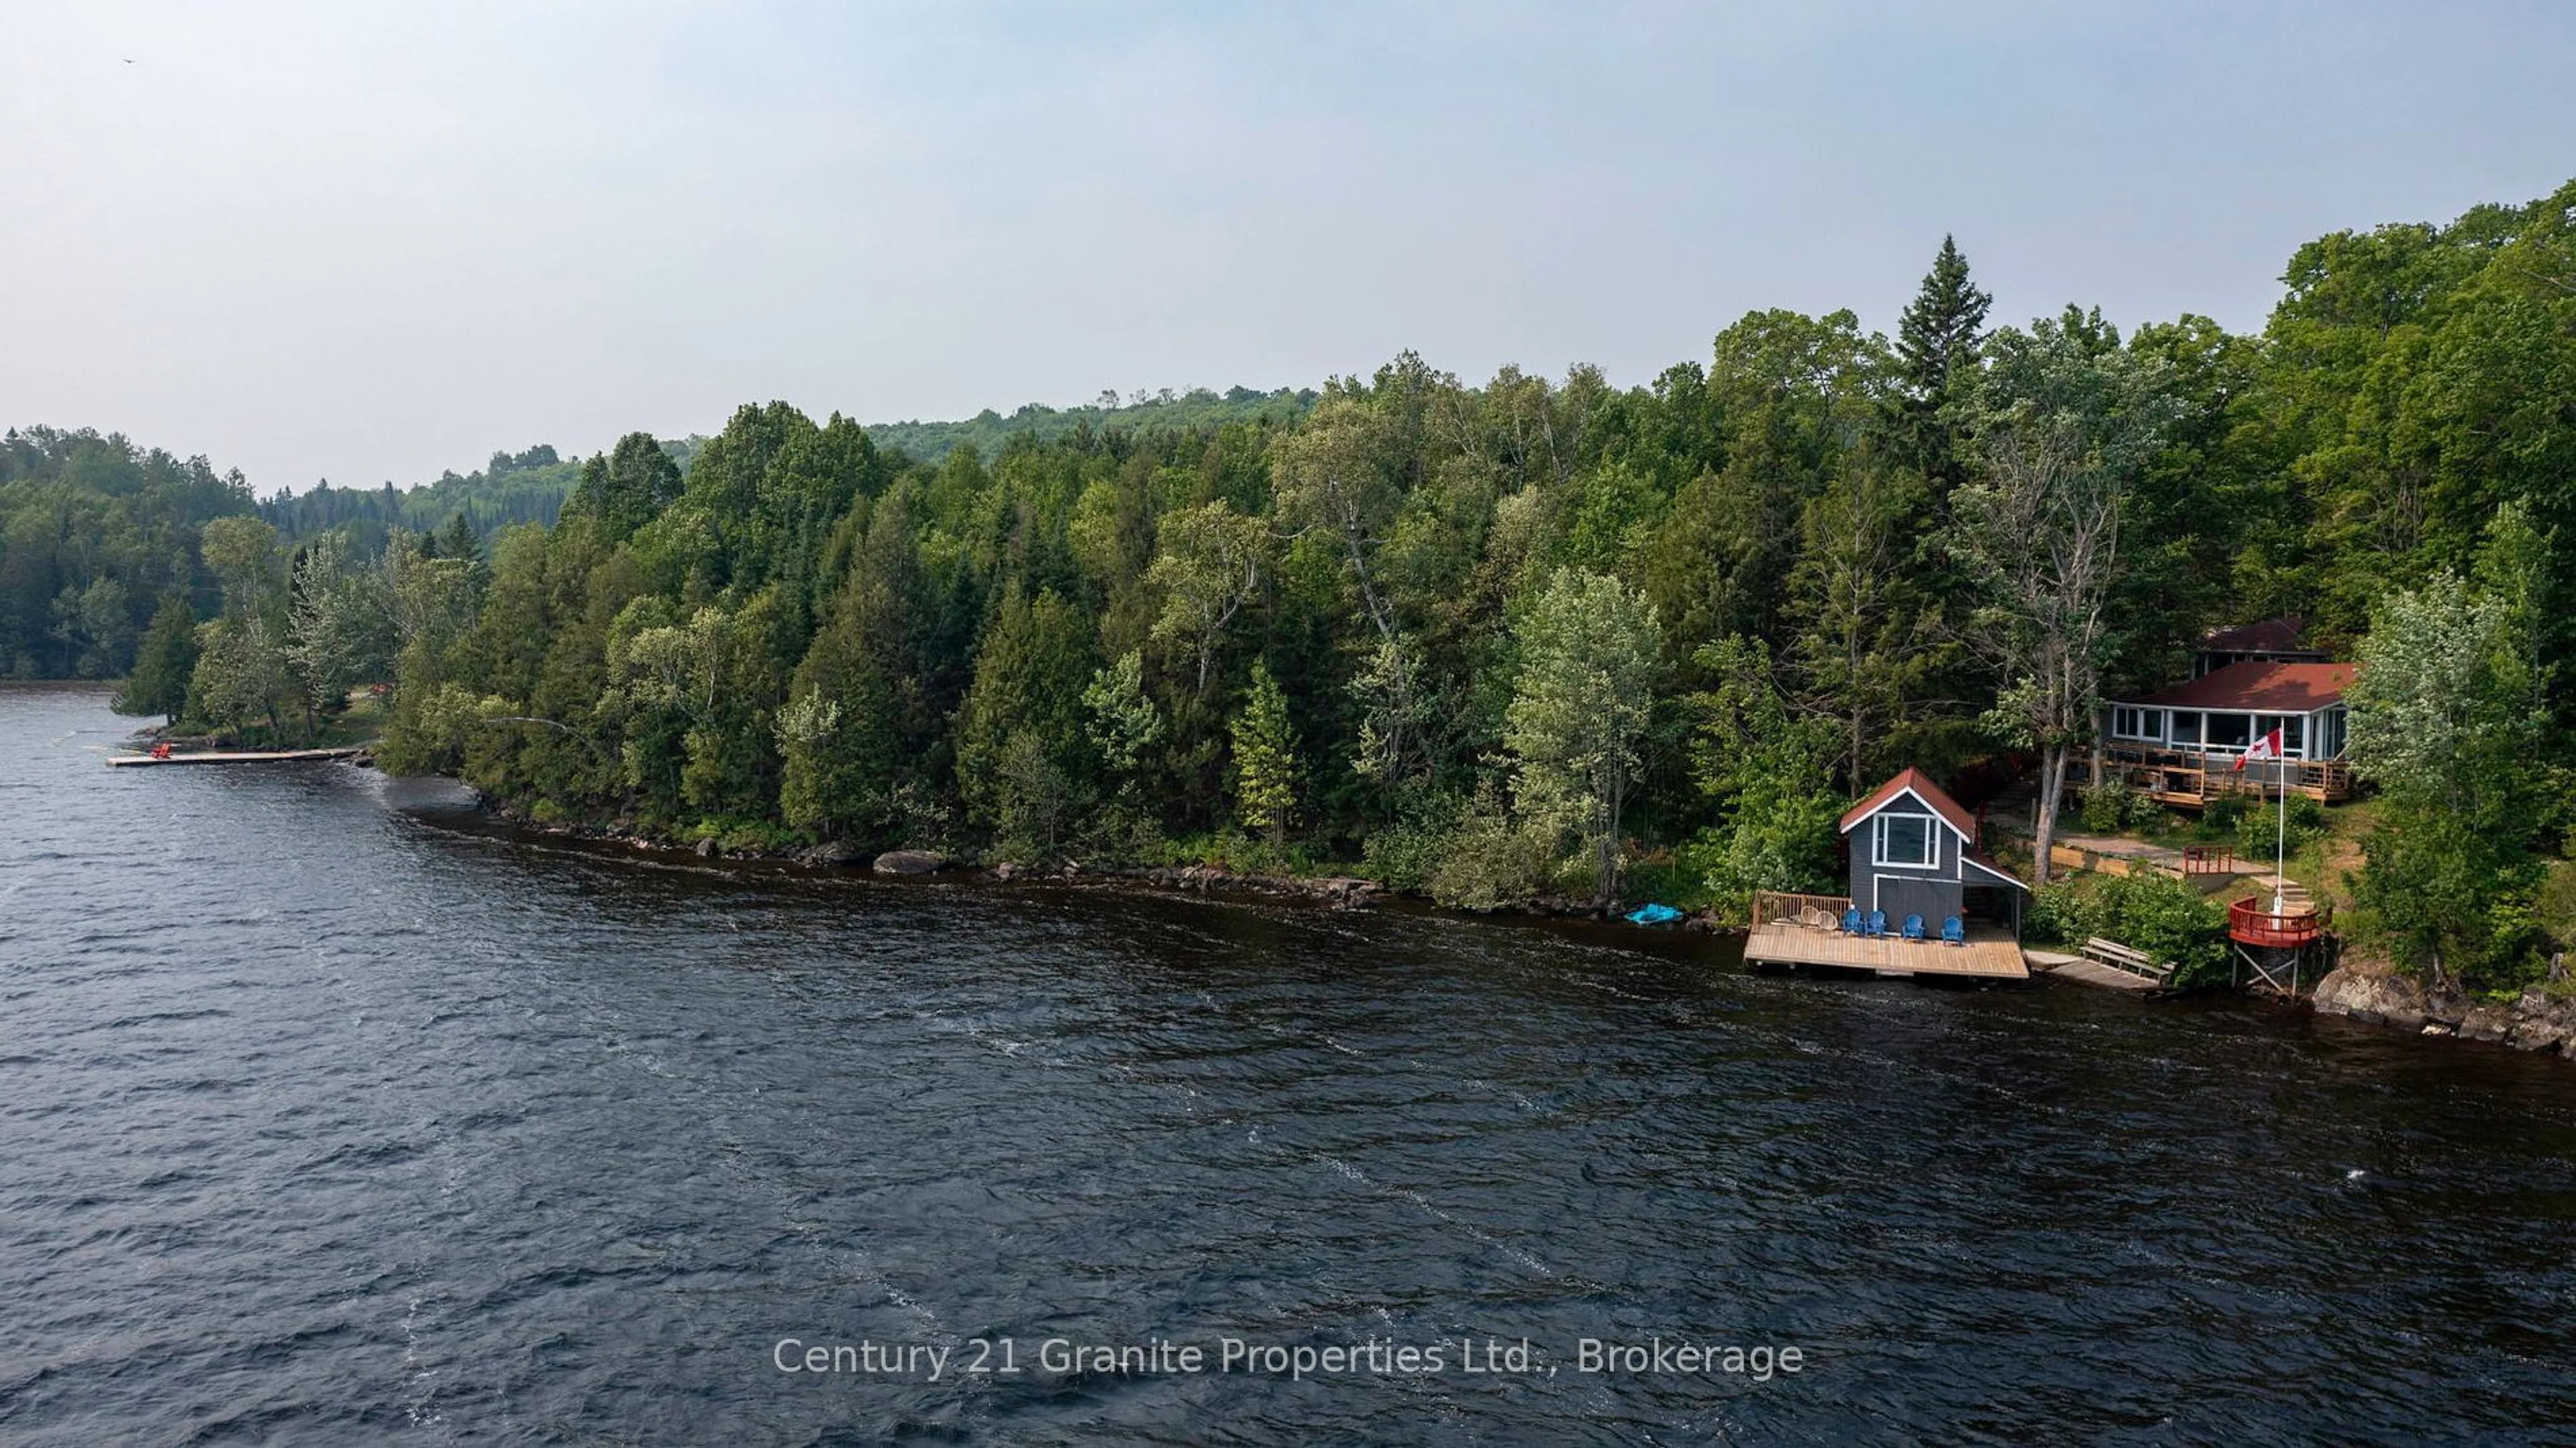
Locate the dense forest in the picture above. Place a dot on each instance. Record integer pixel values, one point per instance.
(511, 489)
(1484, 641)
(1199, 409)
(94, 533)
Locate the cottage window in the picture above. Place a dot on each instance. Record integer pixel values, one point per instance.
(2128, 722)
(2186, 727)
(1905, 839)
(2231, 731)
(2330, 733)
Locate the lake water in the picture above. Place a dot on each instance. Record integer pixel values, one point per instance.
(331, 1114)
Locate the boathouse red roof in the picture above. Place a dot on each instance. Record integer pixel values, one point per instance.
(2258, 687)
(1920, 785)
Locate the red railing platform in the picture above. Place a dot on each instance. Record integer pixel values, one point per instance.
(2249, 923)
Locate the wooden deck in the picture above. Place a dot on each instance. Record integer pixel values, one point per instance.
(1990, 953)
(2191, 779)
(269, 756)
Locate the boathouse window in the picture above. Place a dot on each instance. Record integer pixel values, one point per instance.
(1905, 839)
(2230, 731)
(2186, 726)
(2134, 723)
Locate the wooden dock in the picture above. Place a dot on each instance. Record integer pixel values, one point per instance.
(1990, 953)
(268, 756)
(2059, 966)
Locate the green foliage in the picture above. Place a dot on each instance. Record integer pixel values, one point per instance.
(2221, 818)
(1196, 410)
(1488, 639)
(2260, 832)
(1406, 852)
(2155, 913)
(2555, 904)
(2111, 808)
(163, 666)
(2066, 424)
(1493, 859)
(1768, 772)
(2450, 716)
(240, 684)
(1589, 651)
(2056, 913)
(1021, 755)
(1936, 348)
(1265, 759)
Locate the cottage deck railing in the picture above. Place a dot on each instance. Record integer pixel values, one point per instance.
(2179, 776)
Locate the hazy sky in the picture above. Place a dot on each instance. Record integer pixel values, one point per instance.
(368, 242)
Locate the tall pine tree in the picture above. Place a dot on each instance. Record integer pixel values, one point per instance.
(1936, 345)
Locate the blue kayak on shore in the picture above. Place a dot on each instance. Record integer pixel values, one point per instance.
(1653, 915)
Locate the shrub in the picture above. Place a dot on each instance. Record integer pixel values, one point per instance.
(2556, 907)
(2056, 913)
(2157, 914)
(1404, 854)
(2112, 807)
(1683, 879)
(2256, 829)
(2106, 807)
(1491, 861)
(2219, 818)
(2167, 919)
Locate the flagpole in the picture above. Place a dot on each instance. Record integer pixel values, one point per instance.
(2281, 839)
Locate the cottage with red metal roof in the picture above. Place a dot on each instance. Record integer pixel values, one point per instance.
(2188, 742)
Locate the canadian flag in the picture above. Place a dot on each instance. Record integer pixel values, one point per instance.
(2267, 747)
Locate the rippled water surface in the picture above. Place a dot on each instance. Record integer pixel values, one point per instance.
(329, 1115)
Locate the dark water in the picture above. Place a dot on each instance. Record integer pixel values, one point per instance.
(326, 1118)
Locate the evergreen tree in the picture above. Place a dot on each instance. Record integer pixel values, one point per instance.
(159, 683)
(458, 539)
(626, 488)
(1936, 346)
(1019, 733)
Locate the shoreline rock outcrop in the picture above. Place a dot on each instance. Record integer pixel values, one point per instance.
(2537, 1020)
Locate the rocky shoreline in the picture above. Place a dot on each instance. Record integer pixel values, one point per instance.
(1336, 892)
(2537, 1020)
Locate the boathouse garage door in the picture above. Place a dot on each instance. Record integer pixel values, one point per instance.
(1903, 895)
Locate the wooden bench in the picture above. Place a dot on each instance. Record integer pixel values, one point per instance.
(2121, 957)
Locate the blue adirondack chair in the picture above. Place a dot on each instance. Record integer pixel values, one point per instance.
(1877, 922)
(1851, 922)
(1954, 931)
(1913, 927)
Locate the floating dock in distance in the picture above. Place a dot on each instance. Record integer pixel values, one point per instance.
(1989, 953)
(269, 756)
